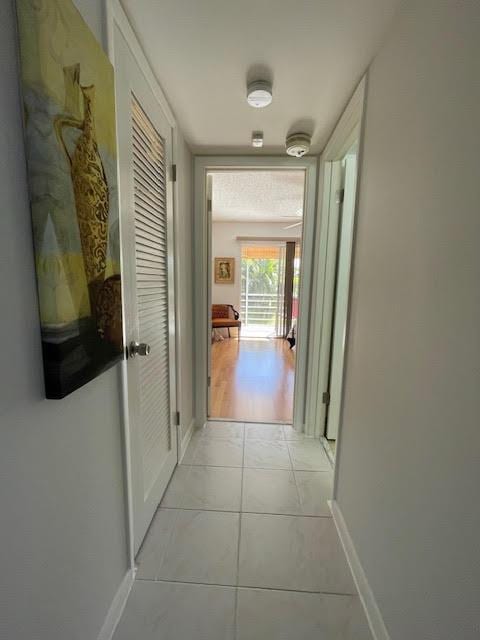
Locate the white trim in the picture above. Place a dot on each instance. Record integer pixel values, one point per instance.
(344, 133)
(176, 271)
(116, 608)
(116, 15)
(184, 442)
(125, 413)
(348, 128)
(367, 598)
(338, 450)
(202, 263)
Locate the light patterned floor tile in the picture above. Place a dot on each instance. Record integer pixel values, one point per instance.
(267, 454)
(255, 431)
(176, 611)
(309, 455)
(270, 491)
(284, 615)
(291, 552)
(215, 452)
(222, 430)
(198, 487)
(315, 488)
(203, 548)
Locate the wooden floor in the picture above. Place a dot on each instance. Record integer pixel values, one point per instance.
(252, 380)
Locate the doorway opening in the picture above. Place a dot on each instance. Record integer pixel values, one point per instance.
(256, 240)
(270, 279)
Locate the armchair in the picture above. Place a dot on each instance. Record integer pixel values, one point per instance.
(225, 316)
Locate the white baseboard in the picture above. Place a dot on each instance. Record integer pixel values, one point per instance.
(374, 617)
(328, 451)
(186, 439)
(116, 608)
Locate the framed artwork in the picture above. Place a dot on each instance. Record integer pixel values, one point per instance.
(224, 270)
(70, 140)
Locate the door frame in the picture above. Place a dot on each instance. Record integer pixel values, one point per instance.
(203, 267)
(349, 171)
(116, 17)
(348, 129)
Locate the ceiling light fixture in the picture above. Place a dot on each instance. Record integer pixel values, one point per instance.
(298, 144)
(259, 94)
(257, 139)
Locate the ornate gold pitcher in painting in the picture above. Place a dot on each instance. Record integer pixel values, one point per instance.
(89, 182)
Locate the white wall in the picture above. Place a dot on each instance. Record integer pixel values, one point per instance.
(63, 542)
(409, 463)
(62, 504)
(226, 245)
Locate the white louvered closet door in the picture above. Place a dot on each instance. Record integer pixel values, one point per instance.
(150, 206)
(145, 138)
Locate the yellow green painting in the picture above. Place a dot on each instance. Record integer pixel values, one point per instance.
(69, 116)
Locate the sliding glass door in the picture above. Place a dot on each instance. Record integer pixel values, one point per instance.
(267, 288)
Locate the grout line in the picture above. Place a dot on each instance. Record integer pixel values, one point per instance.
(225, 466)
(259, 588)
(282, 423)
(168, 543)
(295, 480)
(328, 593)
(202, 584)
(205, 436)
(174, 524)
(159, 507)
(208, 437)
(195, 447)
(253, 513)
(229, 466)
(224, 420)
(217, 466)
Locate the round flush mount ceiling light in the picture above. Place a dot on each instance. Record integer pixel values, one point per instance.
(259, 94)
(298, 144)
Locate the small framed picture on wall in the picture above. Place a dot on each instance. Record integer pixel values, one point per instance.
(224, 270)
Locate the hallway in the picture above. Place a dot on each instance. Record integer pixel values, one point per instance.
(126, 514)
(243, 546)
(252, 380)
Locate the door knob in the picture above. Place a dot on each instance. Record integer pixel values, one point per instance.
(138, 349)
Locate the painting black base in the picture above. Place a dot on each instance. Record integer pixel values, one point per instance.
(73, 356)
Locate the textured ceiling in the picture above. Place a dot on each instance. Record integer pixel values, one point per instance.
(202, 51)
(258, 196)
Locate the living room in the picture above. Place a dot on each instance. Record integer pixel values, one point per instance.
(256, 237)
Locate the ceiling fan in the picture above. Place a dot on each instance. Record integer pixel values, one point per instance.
(295, 224)
(298, 213)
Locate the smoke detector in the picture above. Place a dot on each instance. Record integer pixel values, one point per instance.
(257, 139)
(297, 144)
(259, 94)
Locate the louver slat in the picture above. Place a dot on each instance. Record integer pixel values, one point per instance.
(150, 188)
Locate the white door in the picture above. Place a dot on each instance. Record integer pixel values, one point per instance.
(341, 295)
(145, 151)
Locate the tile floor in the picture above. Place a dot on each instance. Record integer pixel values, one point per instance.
(243, 546)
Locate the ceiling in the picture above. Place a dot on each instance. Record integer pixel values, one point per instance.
(258, 196)
(202, 52)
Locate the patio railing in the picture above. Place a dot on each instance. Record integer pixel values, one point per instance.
(259, 308)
